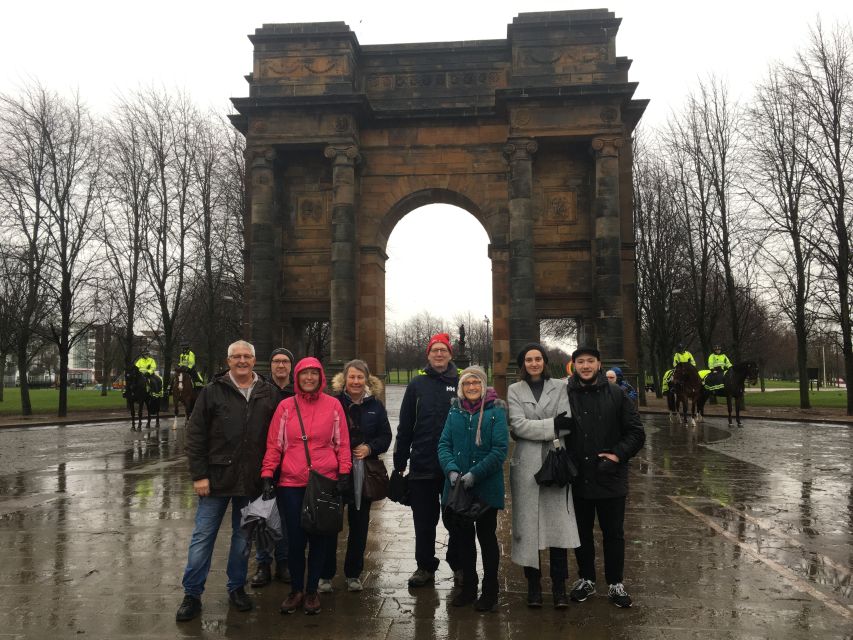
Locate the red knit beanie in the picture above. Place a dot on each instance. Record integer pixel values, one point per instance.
(440, 337)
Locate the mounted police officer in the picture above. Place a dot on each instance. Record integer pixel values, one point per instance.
(682, 355)
(718, 360)
(147, 366)
(186, 359)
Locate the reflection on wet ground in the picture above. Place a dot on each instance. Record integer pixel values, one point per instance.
(742, 534)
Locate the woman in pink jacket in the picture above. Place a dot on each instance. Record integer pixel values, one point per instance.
(329, 448)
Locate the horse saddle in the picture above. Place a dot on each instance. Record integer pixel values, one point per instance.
(713, 380)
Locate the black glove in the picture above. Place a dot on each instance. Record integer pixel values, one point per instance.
(562, 424)
(345, 489)
(269, 489)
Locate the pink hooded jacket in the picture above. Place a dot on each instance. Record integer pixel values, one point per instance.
(325, 427)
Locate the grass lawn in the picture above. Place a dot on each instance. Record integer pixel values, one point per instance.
(836, 398)
(47, 400)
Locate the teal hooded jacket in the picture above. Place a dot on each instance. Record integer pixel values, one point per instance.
(458, 450)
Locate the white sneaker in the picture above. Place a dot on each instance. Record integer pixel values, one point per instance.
(324, 586)
(354, 584)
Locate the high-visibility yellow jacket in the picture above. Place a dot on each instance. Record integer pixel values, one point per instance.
(146, 365)
(684, 356)
(719, 360)
(187, 359)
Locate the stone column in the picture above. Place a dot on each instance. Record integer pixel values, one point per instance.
(607, 247)
(262, 256)
(344, 266)
(523, 321)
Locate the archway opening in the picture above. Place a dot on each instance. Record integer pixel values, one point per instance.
(438, 277)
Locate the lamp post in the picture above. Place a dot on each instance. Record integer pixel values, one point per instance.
(488, 345)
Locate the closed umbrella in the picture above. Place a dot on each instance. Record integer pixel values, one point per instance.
(262, 523)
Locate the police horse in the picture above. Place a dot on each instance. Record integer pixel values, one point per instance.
(138, 395)
(183, 392)
(685, 387)
(733, 387)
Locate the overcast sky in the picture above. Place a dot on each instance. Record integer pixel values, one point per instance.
(105, 48)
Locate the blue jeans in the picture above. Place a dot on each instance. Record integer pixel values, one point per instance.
(264, 557)
(290, 507)
(208, 519)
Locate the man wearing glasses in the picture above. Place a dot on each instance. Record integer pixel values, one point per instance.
(226, 442)
(281, 364)
(423, 413)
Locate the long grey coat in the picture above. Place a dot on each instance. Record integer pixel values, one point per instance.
(542, 517)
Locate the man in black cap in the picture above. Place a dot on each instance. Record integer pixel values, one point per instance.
(608, 432)
(281, 364)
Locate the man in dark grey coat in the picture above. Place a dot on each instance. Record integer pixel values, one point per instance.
(607, 433)
(226, 441)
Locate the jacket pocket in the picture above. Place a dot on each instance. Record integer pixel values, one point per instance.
(218, 466)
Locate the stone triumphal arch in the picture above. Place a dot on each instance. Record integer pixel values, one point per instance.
(530, 134)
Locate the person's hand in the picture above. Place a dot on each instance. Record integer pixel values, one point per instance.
(610, 456)
(269, 489)
(361, 451)
(562, 423)
(345, 489)
(453, 476)
(202, 487)
(468, 480)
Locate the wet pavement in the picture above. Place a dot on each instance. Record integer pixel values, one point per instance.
(730, 534)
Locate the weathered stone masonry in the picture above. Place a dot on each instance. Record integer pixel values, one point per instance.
(530, 134)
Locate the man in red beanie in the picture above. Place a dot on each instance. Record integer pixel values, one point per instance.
(423, 412)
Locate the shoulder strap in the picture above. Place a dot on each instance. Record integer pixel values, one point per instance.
(302, 428)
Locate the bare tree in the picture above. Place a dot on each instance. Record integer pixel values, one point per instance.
(684, 143)
(661, 255)
(825, 71)
(780, 133)
(72, 203)
(722, 158)
(24, 181)
(124, 233)
(169, 127)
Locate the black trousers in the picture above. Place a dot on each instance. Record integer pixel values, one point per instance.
(462, 539)
(358, 522)
(611, 519)
(559, 566)
(425, 500)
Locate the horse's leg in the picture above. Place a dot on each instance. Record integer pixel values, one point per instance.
(737, 410)
(729, 407)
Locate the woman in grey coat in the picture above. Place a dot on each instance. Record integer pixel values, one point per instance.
(542, 517)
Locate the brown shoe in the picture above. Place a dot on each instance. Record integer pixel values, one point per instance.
(292, 602)
(312, 604)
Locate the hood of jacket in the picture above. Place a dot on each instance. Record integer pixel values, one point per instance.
(618, 372)
(308, 363)
(373, 387)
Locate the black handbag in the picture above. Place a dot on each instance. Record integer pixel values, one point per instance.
(322, 511)
(398, 488)
(557, 470)
(375, 479)
(463, 506)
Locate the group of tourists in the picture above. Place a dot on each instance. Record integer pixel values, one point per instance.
(248, 437)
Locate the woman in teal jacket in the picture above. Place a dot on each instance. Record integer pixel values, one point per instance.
(472, 450)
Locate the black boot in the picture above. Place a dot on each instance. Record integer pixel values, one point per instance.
(534, 593)
(561, 600)
(488, 600)
(262, 577)
(467, 594)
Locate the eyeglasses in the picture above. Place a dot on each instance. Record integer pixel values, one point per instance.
(280, 361)
(439, 351)
(472, 383)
